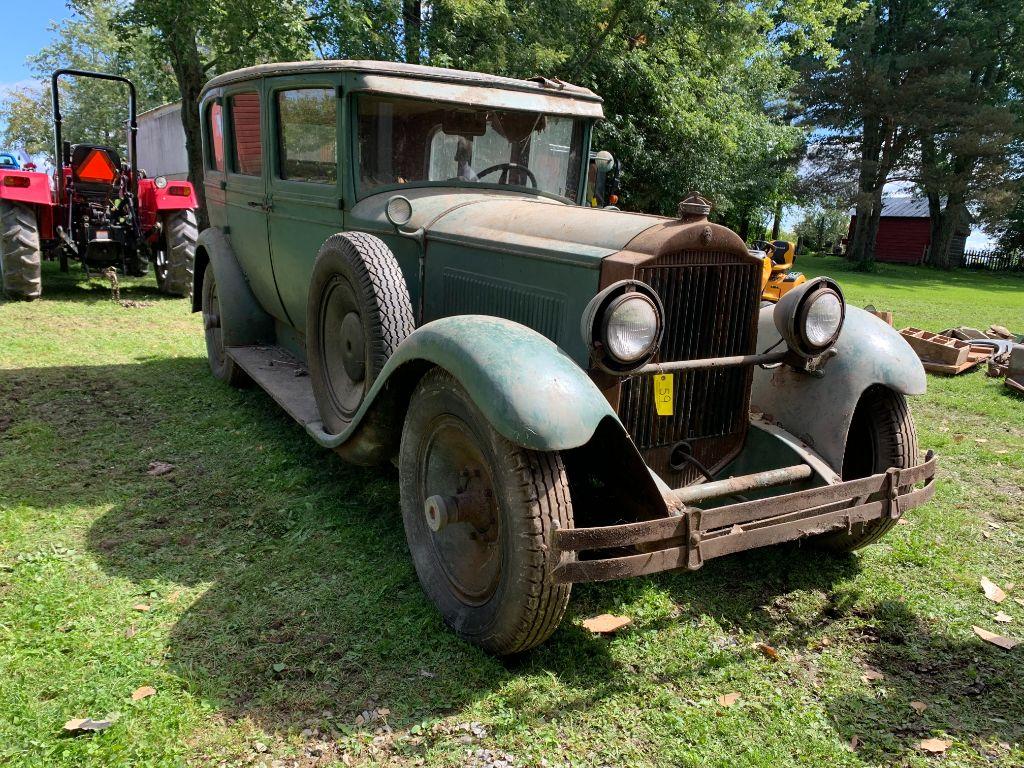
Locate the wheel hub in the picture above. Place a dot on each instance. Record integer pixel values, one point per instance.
(463, 521)
(353, 348)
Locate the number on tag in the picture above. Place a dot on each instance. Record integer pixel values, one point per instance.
(663, 394)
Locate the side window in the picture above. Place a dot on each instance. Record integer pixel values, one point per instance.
(215, 136)
(308, 135)
(247, 157)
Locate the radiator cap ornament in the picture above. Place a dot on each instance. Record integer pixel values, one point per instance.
(694, 205)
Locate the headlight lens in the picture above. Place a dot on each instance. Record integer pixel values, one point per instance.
(631, 328)
(160, 182)
(824, 316)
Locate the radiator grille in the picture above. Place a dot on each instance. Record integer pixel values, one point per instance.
(711, 301)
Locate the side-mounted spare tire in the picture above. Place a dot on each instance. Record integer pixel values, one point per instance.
(176, 252)
(358, 312)
(21, 262)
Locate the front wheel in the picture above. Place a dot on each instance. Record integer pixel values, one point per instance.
(479, 514)
(176, 252)
(882, 435)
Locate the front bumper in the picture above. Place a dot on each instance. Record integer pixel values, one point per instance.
(686, 540)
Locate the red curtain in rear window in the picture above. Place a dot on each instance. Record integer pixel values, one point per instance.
(216, 134)
(245, 128)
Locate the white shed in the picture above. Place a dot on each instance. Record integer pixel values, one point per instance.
(162, 142)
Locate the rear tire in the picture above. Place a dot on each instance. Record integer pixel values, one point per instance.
(21, 261)
(490, 575)
(882, 435)
(357, 314)
(176, 256)
(221, 365)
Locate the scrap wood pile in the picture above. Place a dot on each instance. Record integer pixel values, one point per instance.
(960, 349)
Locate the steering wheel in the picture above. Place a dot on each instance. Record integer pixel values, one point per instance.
(505, 168)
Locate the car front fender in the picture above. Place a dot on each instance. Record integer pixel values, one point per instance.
(819, 410)
(530, 391)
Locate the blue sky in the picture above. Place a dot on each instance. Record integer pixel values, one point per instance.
(25, 32)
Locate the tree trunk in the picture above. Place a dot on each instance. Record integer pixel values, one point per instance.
(777, 222)
(412, 27)
(952, 217)
(191, 76)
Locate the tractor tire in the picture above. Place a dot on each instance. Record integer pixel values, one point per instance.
(479, 513)
(21, 262)
(882, 435)
(357, 314)
(176, 256)
(221, 364)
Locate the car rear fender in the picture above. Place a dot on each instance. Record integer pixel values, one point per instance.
(243, 320)
(529, 390)
(819, 410)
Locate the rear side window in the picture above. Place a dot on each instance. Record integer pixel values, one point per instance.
(308, 135)
(215, 136)
(247, 158)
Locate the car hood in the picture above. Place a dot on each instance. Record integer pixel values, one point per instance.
(496, 219)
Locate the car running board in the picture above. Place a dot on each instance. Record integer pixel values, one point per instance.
(283, 377)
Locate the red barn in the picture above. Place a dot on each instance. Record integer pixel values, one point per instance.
(904, 232)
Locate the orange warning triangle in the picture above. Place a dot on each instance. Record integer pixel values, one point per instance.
(96, 168)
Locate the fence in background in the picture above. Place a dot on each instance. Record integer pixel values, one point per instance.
(995, 261)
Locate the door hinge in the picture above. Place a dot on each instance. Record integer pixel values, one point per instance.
(341, 203)
(339, 91)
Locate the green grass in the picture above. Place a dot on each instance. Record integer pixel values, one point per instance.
(282, 602)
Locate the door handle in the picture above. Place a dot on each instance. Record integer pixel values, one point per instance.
(265, 207)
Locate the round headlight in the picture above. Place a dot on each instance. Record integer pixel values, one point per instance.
(810, 317)
(622, 326)
(631, 327)
(160, 182)
(824, 318)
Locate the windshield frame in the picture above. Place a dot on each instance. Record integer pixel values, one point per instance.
(361, 193)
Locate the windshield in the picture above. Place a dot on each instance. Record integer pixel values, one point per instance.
(404, 141)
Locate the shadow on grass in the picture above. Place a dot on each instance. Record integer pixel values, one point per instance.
(76, 286)
(972, 690)
(310, 602)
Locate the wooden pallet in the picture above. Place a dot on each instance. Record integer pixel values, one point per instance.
(937, 349)
(976, 354)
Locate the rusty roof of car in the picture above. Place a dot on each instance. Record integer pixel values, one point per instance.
(547, 86)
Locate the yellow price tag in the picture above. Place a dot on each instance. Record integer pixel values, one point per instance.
(663, 394)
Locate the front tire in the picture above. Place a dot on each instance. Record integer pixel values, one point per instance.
(882, 435)
(221, 364)
(486, 565)
(21, 261)
(176, 254)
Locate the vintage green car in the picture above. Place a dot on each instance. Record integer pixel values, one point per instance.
(409, 261)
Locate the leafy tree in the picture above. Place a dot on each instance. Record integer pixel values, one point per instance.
(820, 228)
(93, 111)
(695, 91)
(972, 122)
(199, 38)
(870, 103)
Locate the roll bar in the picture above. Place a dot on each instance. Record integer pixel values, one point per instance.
(133, 126)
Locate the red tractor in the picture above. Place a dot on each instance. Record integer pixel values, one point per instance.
(96, 210)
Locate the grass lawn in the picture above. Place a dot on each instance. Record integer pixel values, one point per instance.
(263, 588)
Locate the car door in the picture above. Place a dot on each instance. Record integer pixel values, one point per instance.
(305, 182)
(246, 197)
